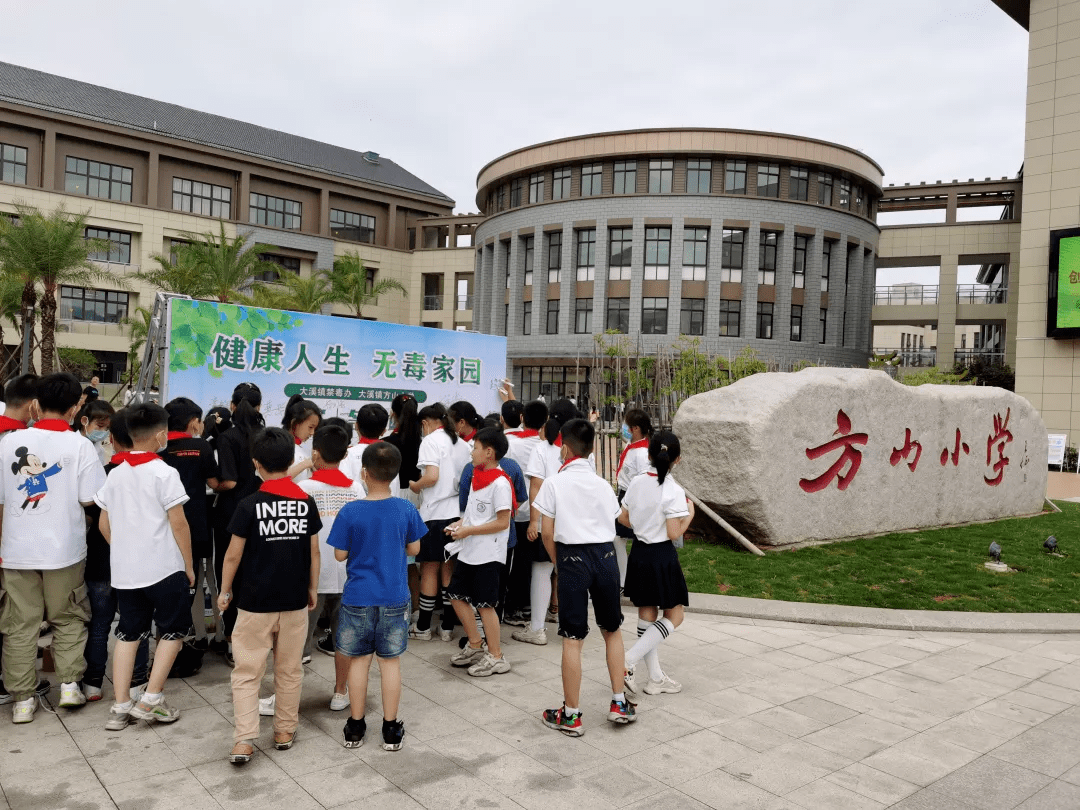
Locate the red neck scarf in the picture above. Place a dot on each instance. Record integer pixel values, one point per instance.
(335, 478)
(368, 441)
(523, 433)
(55, 425)
(178, 434)
(632, 446)
(285, 487)
(297, 440)
(135, 458)
(7, 423)
(468, 438)
(482, 478)
(558, 441)
(569, 461)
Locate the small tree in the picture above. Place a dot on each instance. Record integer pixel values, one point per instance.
(223, 266)
(349, 283)
(80, 362)
(178, 274)
(306, 294)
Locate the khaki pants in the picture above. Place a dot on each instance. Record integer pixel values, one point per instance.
(57, 596)
(255, 635)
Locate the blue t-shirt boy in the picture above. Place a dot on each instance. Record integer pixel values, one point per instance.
(375, 534)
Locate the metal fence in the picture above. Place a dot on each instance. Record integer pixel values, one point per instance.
(906, 294)
(980, 294)
(464, 302)
(911, 358)
(965, 356)
(432, 302)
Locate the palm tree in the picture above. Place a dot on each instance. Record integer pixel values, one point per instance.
(11, 289)
(349, 282)
(306, 294)
(226, 266)
(265, 296)
(177, 274)
(50, 250)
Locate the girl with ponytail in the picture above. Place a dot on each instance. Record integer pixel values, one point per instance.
(302, 418)
(440, 457)
(466, 420)
(406, 436)
(659, 512)
(634, 460)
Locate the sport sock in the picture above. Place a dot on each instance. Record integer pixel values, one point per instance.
(125, 707)
(649, 641)
(619, 697)
(151, 698)
(427, 607)
(568, 712)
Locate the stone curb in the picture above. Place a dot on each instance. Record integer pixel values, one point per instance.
(883, 618)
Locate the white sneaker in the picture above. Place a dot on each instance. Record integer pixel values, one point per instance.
(467, 655)
(92, 693)
(267, 706)
(339, 701)
(305, 660)
(489, 665)
(530, 636)
(552, 616)
(419, 635)
(71, 696)
(22, 711)
(663, 686)
(629, 681)
(446, 635)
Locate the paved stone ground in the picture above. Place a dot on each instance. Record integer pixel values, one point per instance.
(773, 716)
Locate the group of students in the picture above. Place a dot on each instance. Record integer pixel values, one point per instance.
(289, 529)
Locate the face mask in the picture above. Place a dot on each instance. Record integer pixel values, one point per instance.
(626, 434)
(97, 435)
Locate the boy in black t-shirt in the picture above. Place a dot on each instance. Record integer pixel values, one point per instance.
(275, 542)
(193, 458)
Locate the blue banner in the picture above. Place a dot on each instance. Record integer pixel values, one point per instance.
(338, 363)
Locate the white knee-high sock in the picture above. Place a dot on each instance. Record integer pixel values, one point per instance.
(540, 593)
(652, 658)
(649, 641)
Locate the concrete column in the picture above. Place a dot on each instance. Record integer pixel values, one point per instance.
(599, 307)
(946, 331)
(48, 160)
(811, 328)
(324, 212)
(498, 290)
(785, 258)
(152, 179)
(834, 325)
(950, 209)
(675, 279)
(637, 274)
(517, 283)
(540, 281)
(391, 227)
(243, 197)
(748, 325)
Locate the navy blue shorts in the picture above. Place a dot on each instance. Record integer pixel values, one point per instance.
(588, 571)
(433, 543)
(166, 603)
(479, 585)
(379, 629)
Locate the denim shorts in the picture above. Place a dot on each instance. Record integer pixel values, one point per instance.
(383, 630)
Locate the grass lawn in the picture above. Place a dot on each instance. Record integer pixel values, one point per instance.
(940, 569)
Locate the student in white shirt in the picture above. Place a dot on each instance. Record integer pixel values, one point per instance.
(465, 419)
(302, 418)
(522, 423)
(633, 460)
(49, 474)
(481, 538)
(440, 460)
(578, 510)
(142, 518)
(659, 512)
(371, 422)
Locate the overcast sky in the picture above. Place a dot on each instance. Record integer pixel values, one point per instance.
(930, 89)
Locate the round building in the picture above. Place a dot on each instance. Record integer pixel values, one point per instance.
(730, 237)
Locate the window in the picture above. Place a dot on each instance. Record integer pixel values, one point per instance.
(799, 184)
(660, 174)
(826, 264)
(657, 253)
(764, 320)
(735, 177)
(96, 179)
(500, 199)
(554, 256)
(860, 199)
(620, 254)
(506, 261)
(625, 177)
(823, 319)
(560, 184)
(767, 258)
(369, 279)
(553, 317)
(731, 255)
(618, 315)
(530, 251)
(768, 180)
(275, 212)
(516, 187)
(586, 254)
(289, 263)
(695, 253)
(796, 322)
(536, 188)
(119, 249)
(730, 312)
(13, 164)
(845, 194)
(824, 189)
(526, 318)
(654, 316)
(592, 176)
(692, 317)
(583, 316)
(102, 306)
(201, 198)
(698, 176)
(354, 227)
(798, 269)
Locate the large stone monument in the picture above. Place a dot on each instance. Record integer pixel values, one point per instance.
(828, 453)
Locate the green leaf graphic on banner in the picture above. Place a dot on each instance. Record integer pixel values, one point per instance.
(196, 325)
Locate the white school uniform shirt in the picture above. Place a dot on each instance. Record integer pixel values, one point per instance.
(329, 499)
(302, 453)
(354, 462)
(635, 463)
(545, 461)
(650, 503)
(440, 502)
(143, 549)
(521, 450)
(483, 506)
(50, 532)
(581, 502)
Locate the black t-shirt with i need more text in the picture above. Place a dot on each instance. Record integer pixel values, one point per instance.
(275, 571)
(193, 458)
